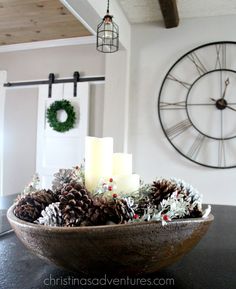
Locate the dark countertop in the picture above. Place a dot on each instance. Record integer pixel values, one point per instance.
(210, 265)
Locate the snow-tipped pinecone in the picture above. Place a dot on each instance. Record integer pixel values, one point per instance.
(192, 196)
(51, 216)
(30, 206)
(106, 211)
(61, 178)
(75, 201)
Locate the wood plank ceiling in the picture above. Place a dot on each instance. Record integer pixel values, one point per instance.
(145, 11)
(24, 21)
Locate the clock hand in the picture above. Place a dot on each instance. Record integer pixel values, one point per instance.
(230, 107)
(226, 85)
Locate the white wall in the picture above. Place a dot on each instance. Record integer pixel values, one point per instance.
(38, 63)
(20, 120)
(154, 50)
(19, 133)
(116, 114)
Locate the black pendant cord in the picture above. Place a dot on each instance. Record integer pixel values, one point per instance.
(108, 4)
(55, 81)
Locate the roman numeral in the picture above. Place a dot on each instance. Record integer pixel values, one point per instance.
(201, 69)
(196, 146)
(220, 56)
(172, 105)
(183, 83)
(178, 129)
(221, 154)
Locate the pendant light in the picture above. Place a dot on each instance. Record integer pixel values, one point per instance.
(107, 34)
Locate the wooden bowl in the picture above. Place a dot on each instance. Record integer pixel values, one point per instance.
(129, 249)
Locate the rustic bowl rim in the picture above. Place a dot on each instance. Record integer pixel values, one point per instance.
(13, 219)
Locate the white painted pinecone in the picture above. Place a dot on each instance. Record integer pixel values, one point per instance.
(61, 178)
(51, 216)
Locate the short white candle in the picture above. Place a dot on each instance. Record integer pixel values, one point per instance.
(122, 164)
(127, 183)
(98, 160)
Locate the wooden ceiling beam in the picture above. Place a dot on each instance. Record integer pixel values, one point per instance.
(170, 13)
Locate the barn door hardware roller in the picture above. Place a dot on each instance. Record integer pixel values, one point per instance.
(76, 79)
(51, 79)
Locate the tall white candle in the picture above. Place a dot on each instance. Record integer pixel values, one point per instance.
(122, 164)
(98, 160)
(127, 183)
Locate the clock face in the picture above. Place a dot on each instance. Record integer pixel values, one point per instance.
(197, 105)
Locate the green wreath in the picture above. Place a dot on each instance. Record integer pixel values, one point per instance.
(52, 115)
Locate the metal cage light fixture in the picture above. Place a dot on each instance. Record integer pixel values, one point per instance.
(107, 34)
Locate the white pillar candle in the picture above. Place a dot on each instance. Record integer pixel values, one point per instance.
(98, 160)
(127, 183)
(122, 164)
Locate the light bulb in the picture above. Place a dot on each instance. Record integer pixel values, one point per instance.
(107, 27)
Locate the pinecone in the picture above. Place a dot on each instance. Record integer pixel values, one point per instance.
(105, 211)
(61, 178)
(75, 201)
(29, 207)
(162, 189)
(159, 190)
(118, 211)
(51, 216)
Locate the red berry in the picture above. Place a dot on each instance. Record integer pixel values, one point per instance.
(110, 188)
(165, 218)
(136, 216)
(114, 196)
(111, 180)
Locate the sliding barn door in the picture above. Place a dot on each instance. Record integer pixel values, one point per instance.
(61, 150)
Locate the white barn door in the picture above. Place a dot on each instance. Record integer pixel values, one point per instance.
(61, 150)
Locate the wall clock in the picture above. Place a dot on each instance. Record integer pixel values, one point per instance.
(197, 105)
